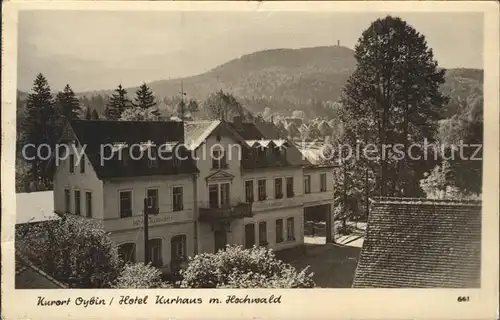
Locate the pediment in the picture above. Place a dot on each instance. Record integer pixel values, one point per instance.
(219, 175)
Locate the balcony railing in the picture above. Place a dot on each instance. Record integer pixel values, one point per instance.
(234, 210)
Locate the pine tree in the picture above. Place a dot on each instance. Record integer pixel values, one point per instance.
(88, 114)
(144, 97)
(67, 103)
(41, 125)
(393, 98)
(95, 115)
(117, 104)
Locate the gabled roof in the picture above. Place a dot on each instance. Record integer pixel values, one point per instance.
(421, 243)
(94, 134)
(195, 132)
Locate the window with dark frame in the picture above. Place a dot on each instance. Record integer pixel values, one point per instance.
(307, 184)
(71, 163)
(262, 190)
(178, 244)
(78, 204)
(263, 233)
(322, 179)
(125, 204)
(82, 164)
(88, 204)
(177, 199)
(278, 188)
(152, 158)
(279, 230)
(67, 201)
(249, 191)
(290, 229)
(289, 187)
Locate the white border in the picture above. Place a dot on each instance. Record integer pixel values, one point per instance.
(296, 304)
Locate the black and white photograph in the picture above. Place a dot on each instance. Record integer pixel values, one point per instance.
(250, 149)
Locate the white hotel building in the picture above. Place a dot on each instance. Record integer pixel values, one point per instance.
(255, 194)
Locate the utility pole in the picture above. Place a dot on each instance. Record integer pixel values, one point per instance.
(182, 106)
(146, 231)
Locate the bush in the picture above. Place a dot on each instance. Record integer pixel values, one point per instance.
(239, 268)
(140, 276)
(73, 250)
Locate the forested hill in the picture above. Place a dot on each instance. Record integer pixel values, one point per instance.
(285, 80)
(292, 74)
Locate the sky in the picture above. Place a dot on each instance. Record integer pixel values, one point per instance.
(93, 50)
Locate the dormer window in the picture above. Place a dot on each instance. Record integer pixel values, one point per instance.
(152, 158)
(125, 157)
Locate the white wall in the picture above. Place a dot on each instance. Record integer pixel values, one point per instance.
(204, 164)
(84, 182)
(139, 186)
(237, 234)
(165, 232)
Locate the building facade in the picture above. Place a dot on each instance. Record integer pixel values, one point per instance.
(220, 183)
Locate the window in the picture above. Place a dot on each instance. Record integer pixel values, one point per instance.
(126, 252)
(322, 179)
(82, 164)
(262, 190)
(71, 163)
(224, 194)
(88, 204)
(177, 199)
(218, 159)
(289, 187)
(213, 195)
(279, 230)
(278, 188)
(290, 229)
(249, 235)
(78, 204)
(125, 204)
(67, 201)
(178, 247)
(263, 233)
(223, 161)
(155, 256)
(249, 191)
(307, 184)
(152, 196)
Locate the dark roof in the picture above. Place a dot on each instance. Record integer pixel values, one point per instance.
(421, 243)
(93, 134)
(268, 131)
(28, 276)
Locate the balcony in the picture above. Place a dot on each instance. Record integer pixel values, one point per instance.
(232, 211)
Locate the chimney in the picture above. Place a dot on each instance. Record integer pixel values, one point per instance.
(338, 43)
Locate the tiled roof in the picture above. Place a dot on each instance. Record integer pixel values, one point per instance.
(421, 243)
(94, 134)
